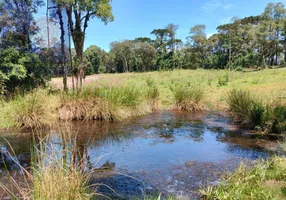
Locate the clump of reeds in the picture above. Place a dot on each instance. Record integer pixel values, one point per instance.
(188, 98)
(251, 111)
(153, 93)
(103, 103)
(54, 174)
(34, 110)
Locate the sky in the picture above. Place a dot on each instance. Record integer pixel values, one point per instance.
(137, 18)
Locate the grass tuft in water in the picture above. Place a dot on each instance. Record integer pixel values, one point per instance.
(251, 111)
(54, 175)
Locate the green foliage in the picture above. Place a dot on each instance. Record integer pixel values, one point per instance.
(152, 90)
(95, 59)
(240, 102)
(21, 70)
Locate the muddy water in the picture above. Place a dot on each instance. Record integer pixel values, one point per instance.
(173, 153)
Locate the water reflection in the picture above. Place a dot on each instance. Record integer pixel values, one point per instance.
(148, 144)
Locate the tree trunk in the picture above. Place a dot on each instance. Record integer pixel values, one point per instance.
(59, 13)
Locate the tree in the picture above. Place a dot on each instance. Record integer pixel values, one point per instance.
(166, 44)
(17, 22)
(95, 59)
(79, 13)
(197, 41)
(124, 57)
(145, 56)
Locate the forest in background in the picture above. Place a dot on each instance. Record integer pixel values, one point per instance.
(251, 42)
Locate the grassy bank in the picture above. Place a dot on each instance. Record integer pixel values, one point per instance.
(266, 181)
(114, 97)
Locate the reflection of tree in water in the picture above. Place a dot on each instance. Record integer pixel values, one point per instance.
(17, 147)
(82, 138)
(197, 134)
(247, 152)
(169, 129)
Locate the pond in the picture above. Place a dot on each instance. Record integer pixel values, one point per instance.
(167, 152)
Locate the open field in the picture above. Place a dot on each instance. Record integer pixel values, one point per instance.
(268, 84)
(120, 96)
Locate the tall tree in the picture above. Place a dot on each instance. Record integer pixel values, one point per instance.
(197, 41)
(79, 13)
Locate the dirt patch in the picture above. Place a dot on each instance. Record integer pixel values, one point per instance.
(58, 82)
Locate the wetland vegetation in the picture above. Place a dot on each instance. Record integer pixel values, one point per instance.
(152, 118)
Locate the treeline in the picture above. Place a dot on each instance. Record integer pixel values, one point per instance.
(251, 42)
(256, 41)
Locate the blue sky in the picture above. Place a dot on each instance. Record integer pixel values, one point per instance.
(137, 18)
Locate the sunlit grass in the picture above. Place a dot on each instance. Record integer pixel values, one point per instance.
(120, 96)
(267, 181)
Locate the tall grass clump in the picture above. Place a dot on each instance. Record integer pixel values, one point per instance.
(265, 181)
(34, 110)
(54, 175)
(251, 111)
(248, 109)
(153, 93)
(103, 103)
(188, 98)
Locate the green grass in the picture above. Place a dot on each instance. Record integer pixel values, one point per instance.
(188, 98)
(266, 181)
(120, 96)
(251, 111)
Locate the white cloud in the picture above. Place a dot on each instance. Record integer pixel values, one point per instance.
(227, 6)
(211, 5)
